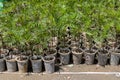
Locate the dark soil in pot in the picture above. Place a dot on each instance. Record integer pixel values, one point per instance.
(115, 57)
(22, 64)
(64, 45)
(49, 63)
(95, 49)
(89, 57)
(11, 64)
(77, 56)
(102, 57)
(64, 56)
(2, 64)
(52, 52)
(36, 64)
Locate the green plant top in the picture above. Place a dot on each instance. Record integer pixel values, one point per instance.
(23, 21)
(1, 6)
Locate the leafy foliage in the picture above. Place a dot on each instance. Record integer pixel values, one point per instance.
(31, 21)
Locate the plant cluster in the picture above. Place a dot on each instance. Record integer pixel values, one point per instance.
(29, 24)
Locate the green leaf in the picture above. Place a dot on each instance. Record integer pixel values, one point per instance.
(1, 0)
(1, 5)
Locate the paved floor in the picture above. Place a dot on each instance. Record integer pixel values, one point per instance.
(57, 77)
(64, 73)
(89, 68)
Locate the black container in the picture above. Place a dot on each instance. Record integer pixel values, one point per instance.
(36, 64)
(22, 64)
(102, 58)
(89, 56)
(114, 57)
(49, 63)
(77, 56)
(2, 65)
(64, 56)
(11, 65)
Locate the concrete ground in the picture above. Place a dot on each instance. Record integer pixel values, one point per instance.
(69, 72)
(89, 68)
(57, 77)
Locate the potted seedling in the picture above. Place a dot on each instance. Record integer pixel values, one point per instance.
(89, 56)
(77, 56)
(64, 50)
(52, 45)
(118, 35)
(90, 51)
(48, 58)
(75, 42)
(11, 62)
(102, 55)
(102, 45)
(64, 37)
(115, 52)
(54, 38)
(49, 63)
(68, 36)
(115, 56)
(84, 44)
(38, 52)
(2, 61)
(24, 44)
(22, 60)
(77, 52)
(36, 59)
(2, 54)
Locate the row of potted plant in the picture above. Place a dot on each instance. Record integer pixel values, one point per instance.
(41, 30)
(14, 62)
(64, 45)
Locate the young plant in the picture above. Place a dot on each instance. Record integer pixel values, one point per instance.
(117, 34)
(53, 33)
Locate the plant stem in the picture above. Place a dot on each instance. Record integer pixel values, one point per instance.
(2, 41)
(115, 38)
(64, 41)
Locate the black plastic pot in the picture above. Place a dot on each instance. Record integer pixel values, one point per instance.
(2, 65)
(77, 56)
(11, 65)
(102, 58)
(36, 64)
(64, 56)
(89, 57)
(49, 62)
(115, 57)
(22, 65)
(52, 52)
